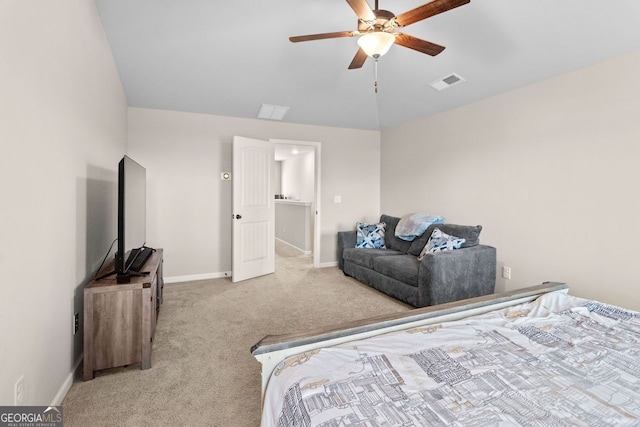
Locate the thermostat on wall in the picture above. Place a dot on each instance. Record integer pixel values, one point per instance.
(225, 176)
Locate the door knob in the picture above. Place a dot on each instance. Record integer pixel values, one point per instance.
(238, 216)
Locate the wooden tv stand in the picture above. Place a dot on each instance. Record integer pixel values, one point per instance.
(120, 319)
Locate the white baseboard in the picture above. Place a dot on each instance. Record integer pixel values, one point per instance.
(329, 264)
(294, 247)
(66, 385)
(192, 277)
(219, 275)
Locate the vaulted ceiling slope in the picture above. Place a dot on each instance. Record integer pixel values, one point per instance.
(229, 57)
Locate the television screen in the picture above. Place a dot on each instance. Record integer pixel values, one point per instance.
(132, 211)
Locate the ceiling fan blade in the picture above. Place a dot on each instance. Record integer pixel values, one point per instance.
(358, 60)
(428, 10)
(322, 36)
(362, 10)
(418, 44)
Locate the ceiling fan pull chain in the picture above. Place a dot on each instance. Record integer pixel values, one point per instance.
(375, 76)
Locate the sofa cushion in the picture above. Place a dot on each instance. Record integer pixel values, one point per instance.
(439, 242)
(470, 233)
(365, 256)
(390, 239)
(404, 268)
(370, 235)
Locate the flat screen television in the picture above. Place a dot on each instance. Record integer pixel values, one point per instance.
(132, 214)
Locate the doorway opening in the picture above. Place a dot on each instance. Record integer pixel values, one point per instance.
(296, 184)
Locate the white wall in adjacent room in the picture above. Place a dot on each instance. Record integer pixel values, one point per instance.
(189, 207)
(297, 177)
(550, 171)
(63, 129)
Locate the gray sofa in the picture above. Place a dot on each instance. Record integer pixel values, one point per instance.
(439, 278)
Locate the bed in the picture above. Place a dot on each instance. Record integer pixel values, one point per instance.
(531, 357)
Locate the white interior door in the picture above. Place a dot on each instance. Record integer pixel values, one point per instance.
(253, 209)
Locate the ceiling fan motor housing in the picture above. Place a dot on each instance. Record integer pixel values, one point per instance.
(384, 22)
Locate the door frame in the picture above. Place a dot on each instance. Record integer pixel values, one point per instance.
(317, 192)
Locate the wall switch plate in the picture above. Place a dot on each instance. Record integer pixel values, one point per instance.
(337, 199)
(506, 273)
(76, 323)
(19, 391)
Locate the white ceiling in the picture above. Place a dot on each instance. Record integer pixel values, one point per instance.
(229, 57)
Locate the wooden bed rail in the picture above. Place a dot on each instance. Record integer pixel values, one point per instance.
(272, 349)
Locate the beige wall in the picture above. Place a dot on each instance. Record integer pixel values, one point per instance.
(62, 131)
(550, 170)
(189, 207)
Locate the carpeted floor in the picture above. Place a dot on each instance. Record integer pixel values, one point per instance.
(202, 371)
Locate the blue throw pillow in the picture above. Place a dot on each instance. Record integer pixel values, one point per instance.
(370, 235)
(440, 241)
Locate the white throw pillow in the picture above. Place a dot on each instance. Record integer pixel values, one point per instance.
(440, 241)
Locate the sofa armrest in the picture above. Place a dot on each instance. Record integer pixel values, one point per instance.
(455, 275)
(346, 239)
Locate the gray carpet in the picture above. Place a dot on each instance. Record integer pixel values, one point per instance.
(202, 371)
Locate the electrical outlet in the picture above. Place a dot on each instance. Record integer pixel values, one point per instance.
(19, 391)
(506, 273)
(76, 323)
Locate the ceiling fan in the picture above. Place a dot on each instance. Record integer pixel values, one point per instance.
(377, 29)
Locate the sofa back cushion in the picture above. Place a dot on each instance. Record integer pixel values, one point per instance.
(390, 239)
(471, 234)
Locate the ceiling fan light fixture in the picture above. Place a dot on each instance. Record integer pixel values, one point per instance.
(376, 44)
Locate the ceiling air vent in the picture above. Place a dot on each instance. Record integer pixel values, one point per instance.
(446, 82)
(272, 112)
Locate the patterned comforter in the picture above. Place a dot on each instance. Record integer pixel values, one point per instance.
(557, 361)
